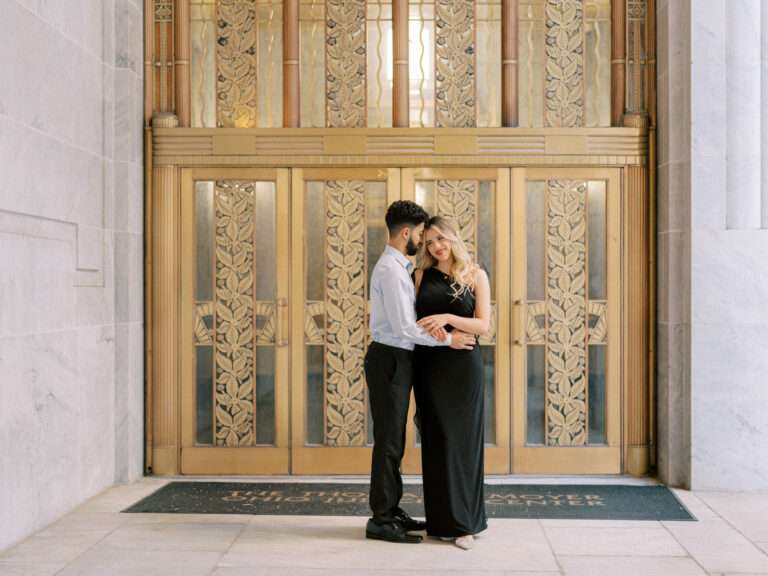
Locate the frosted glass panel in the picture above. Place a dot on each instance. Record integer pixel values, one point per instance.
(265, 395)
(488, 42)
(380, 63)
(312, 62)
(314, 237)
(489, 388)
(486, 230)
(421, 63)
(204, 395)
(315, 398)
(202, 28)
(596, 396)
(596, 238)
(269, 80)
(204, 240)
(535, 231)
(536, 394)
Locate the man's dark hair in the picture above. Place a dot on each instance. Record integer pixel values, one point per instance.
(404, 213)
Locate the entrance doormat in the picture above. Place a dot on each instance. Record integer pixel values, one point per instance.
(583, 502)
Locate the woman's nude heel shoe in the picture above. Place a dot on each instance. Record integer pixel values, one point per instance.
(465, 542)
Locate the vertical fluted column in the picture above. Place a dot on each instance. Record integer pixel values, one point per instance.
(636, 328)
(165, 312)
(291, 93)
(183, 94)
(400, 84)
(509, 116)
(618, 60)
(743, 106)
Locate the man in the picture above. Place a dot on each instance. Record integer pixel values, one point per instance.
(389, 369)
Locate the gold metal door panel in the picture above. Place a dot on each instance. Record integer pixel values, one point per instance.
(566, 338)
(234, 297)
(327, 231)
(338, 232)
(477, 199)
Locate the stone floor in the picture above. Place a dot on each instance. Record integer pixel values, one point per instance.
(731, 537)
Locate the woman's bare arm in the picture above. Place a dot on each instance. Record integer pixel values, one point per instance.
(481, 323)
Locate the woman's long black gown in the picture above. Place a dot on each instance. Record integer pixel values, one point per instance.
(449, 395)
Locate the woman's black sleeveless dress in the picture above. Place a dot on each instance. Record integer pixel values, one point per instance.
(449, 395)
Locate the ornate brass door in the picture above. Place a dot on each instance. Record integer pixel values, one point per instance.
(338, 232)
(272, 378)
(477, 199)
(234, 296)
(566, 334)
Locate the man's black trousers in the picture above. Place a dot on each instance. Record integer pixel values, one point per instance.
(389, 373)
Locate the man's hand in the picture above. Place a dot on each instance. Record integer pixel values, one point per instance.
(462, 340)
(439, 334)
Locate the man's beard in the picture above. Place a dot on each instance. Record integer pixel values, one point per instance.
(411, 249)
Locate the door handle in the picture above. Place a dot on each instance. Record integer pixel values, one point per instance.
(282, 322)
(518, 331)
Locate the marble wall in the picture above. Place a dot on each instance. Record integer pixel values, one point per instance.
(71, 273)
(729, 265)
(713, 253)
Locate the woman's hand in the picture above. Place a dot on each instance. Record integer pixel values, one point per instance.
(439, 334)
(434, 322)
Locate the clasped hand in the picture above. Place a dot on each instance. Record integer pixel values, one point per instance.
(435, 325)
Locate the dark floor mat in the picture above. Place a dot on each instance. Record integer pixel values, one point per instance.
(605, 502)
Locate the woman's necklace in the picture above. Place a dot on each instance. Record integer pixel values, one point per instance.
(446, 276)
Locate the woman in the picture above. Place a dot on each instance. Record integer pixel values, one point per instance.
(452, 293)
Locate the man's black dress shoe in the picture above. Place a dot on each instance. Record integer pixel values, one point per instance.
(409, 523)
(391, 532)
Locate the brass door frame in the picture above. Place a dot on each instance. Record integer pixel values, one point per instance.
(172, 150)
(497, 457)
(319, 459)
(241, 460)
(569, 460)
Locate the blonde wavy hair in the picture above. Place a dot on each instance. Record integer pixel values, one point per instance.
(464, 269)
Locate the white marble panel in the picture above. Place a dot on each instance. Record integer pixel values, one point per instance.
(129, 401)
(128, 277)
(128, 116)
(729, 426)
(128, 36)
(763, 113)
(96, 304)
(62, 89)
(730, 277)
(39, 388)
(80, 21)
(128, 205)
(48, 177)
(96, 378)
(743, 102)
(62, 426)
(39, 298)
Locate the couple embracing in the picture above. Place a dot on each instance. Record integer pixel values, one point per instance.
(424, 325)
